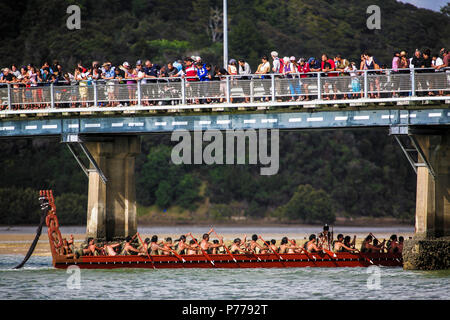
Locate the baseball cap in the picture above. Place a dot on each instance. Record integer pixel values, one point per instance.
(126, 64)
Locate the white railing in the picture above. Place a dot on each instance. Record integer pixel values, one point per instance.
(168, 93)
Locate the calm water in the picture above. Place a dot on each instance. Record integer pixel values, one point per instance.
(38, 280)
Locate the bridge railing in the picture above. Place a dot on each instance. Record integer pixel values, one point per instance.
(189, 92)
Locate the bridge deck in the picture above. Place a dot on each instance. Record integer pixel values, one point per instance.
(145, 122)
(383, 99)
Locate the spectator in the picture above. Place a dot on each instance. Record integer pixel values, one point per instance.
(277, 65)
(372, 64)
(326, 67)
(422, 78)
(403, 79)
(314, 65)
(442, 79)
(277, 69)
(289, 71)
(396, 61)
(343, 84)
(356, 84)
(232, 67)
(417, 60)
(130, 75)
(191, 76)
(15, 71)
(190, 71)
(304, 69)
(202, 74)
(244, 70)
(263, 70)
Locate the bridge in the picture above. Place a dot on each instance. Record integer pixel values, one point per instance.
(103, 121)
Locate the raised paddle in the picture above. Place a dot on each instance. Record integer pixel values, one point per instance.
(146, 251)
(226, 249)
(203, 251)
(281, 258)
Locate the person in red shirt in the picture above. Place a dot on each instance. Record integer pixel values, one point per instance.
(303, 69)
(190, 74)
(326, 67)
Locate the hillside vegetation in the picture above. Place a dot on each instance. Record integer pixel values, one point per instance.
(322, 174)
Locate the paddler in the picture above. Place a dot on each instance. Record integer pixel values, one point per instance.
(339, 245)
(182, 246)
(236, 247)
(208, 246)
(128, 248)
(311, 246)
(110, 249)
(254, 244)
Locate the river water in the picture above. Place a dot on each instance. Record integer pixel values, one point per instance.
(38, 280)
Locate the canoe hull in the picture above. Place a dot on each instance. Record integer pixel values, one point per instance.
(225, 261)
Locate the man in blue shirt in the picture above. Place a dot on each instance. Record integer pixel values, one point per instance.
(203, 75)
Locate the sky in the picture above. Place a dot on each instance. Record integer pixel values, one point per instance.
(427, 4)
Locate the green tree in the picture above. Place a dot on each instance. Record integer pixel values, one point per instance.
(309, 205)
(71, 209)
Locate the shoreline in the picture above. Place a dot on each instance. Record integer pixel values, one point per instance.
(340, 222)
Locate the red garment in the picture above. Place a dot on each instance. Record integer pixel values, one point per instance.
(333, 66)
(446, 60)
(304, 69)
(191, 72)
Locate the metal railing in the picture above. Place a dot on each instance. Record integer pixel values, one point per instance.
(299, 88)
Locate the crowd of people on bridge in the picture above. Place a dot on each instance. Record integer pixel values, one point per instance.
(323, 242)
(194, 69)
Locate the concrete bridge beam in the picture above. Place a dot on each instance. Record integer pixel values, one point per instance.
(112, 206)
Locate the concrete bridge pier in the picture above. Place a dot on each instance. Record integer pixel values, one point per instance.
(112, 205)
(430, 247)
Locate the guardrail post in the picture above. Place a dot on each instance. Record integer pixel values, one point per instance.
(252, 90)
(413, 82)
(183, 91)
(94, 83)
(319, 87)
(139, 93)
(228, 93)
(52, 95)
(366, 85)
(272, 77)
(9, 97)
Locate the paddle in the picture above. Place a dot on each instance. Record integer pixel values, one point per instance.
(280, 257)
(226, 249)
(177, 255)
(203, 251)
(304, 251)
(330, 253)
(367, 259)
(146, 251)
